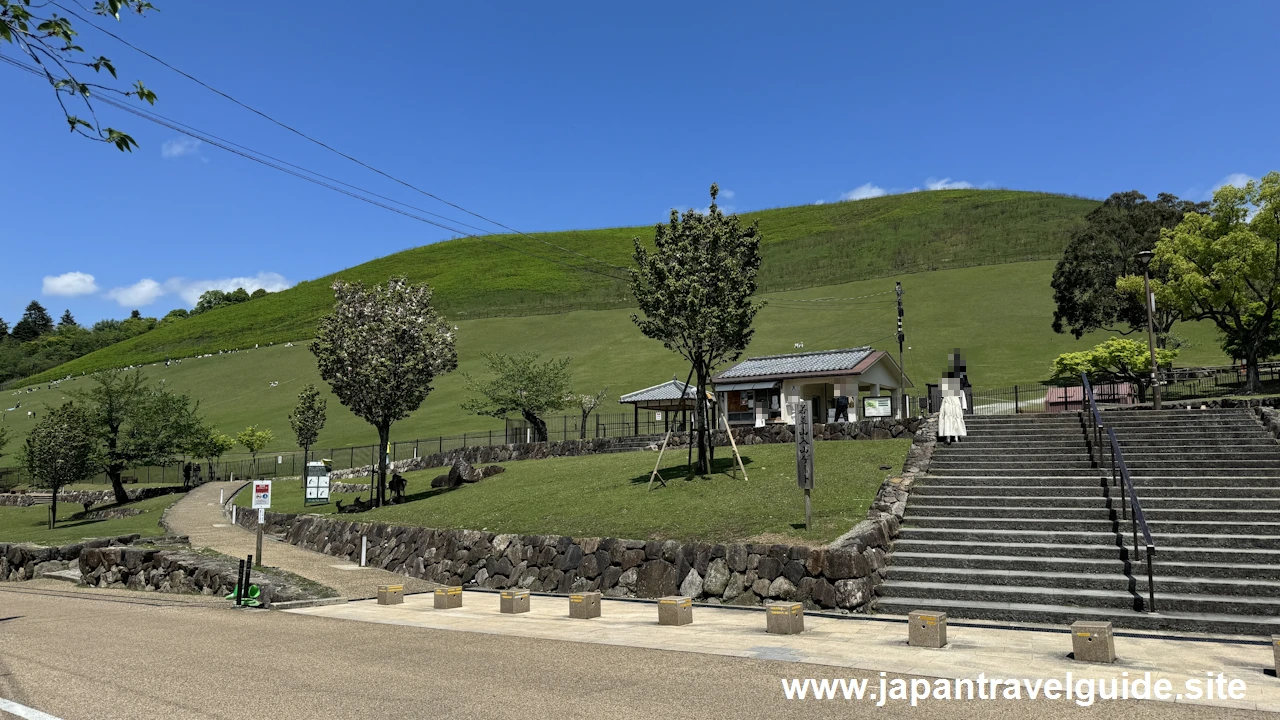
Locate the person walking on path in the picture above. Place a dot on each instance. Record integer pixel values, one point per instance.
(951, 414)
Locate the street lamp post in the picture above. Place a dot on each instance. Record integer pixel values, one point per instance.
(1144, 259)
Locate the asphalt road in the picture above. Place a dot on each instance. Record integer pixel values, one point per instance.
(86, 654)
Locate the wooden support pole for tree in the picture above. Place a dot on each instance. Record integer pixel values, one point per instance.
(728, 431)
(658, 464)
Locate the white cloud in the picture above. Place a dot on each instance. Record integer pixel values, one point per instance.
(946, 184)
(726, 194)
(864, 191)
(820, 202)
(191, 290)
(143, 292)
(1235, 180)
(180, 147)
(147, 291)
(69, 284)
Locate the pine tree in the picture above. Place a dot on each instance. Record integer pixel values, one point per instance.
(34, 323)
(67, 320)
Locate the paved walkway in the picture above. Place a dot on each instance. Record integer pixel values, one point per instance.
(200, 518)
(856, 643)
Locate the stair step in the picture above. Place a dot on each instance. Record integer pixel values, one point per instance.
(1021, 563)
(1067, 580)
(1084, 597)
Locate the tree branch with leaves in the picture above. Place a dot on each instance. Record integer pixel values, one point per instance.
(60, 450)
(49, 41)
(521, 384)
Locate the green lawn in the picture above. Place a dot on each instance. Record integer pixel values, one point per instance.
(805, 246)
(31, 524)
(607, 496)
(1000, 315)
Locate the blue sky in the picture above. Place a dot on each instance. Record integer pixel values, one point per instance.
(559, 115)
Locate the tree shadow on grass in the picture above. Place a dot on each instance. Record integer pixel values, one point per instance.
(720, 466)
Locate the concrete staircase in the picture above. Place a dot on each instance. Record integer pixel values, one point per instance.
(1015, 524)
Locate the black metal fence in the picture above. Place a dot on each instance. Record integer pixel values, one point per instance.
(599, 425)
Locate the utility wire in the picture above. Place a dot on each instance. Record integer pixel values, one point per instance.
(304, 174)
(330, 148)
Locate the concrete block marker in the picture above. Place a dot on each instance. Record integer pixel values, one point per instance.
(784, 618)
(511, 602)
(675, 610)
(390, 594)
(448, 597)
(584, 605)
(927, 629)
(1093, 642)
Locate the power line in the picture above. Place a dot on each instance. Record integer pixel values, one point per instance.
(330, 148)
(304, 174)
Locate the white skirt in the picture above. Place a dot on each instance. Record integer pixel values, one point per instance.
(951, 418)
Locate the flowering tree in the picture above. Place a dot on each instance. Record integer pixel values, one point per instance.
(587, 404)
(379, 350)
(59, 451)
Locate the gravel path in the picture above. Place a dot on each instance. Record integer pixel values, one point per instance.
(199, 517)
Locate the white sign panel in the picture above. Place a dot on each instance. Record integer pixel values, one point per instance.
(261, 494)
(877, 406)
(317, 488)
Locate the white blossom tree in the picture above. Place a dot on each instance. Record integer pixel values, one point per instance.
(379, 350)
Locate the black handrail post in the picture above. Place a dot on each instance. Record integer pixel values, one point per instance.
(1151, 578)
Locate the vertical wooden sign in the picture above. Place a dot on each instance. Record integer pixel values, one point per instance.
(804, 456)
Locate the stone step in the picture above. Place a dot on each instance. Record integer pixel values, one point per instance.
(1035, 563)
(1061, 550)
(1162, 473)
(1168, 493)
(1090, 524)
(1085, 597)
(921, 497)
(1154, 515)
(1015, 533)
(1060, 614)
(1044, 578)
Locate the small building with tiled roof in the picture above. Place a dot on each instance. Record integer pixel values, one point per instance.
(667, 399)
(839, 384)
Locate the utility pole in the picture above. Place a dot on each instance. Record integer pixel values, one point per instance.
(901, 368)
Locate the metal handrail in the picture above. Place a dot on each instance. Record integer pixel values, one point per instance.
(1120, 475)
(1137, 519)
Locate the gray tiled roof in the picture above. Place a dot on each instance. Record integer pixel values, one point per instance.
(670, 390)
(810, 362)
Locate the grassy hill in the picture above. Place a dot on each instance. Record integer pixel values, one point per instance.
(1000, 315)
(804, 247)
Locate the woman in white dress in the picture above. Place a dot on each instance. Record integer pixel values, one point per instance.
(951, 414)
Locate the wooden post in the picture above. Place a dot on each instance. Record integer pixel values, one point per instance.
(804, 456)
(729, 431)
(259, 544)
(658, 464)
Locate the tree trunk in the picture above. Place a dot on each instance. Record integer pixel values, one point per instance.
(384, 436)
(306, 455)
(539, 426)
(582, 433)
(1253, 378)
(117, 484)
(53, 508)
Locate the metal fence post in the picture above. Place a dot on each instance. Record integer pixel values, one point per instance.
(1016, 408)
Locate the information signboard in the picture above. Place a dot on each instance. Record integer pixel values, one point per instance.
(261, 494)
(877, 407)
(317, 486)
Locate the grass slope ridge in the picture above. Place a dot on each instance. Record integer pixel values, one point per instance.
(806, 246)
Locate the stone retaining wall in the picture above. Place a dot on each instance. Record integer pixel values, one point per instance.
(19, 561)
(79, 497)
(882, 429)
(1270, 420)
(174, 571)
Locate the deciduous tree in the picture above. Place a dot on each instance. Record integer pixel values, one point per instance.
(60, 450)
(307, 420)
(522, 384)
(586, 403)
(694, 291)
(136, 424)
(254, 440)
(1224, 266)
(208, 444)
(1118, 360)
(379, 350)
(1084, 280)
(49, 40)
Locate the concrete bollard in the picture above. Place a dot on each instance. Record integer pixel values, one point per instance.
(675, 610)
(1093, 642)
(390, 594)
(448, 597)
(513, 601)
(584, 605)
(784, 618)
(927, 629)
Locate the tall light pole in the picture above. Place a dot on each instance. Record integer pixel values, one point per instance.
(1144, 259)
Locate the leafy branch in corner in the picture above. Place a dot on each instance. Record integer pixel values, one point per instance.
(49, 41)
